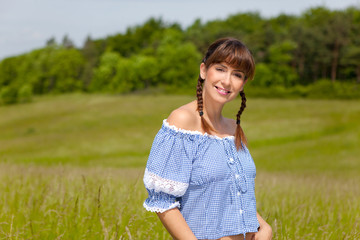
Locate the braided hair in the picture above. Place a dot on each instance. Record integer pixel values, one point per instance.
(239, 133)
(204, 124)
(235, 53)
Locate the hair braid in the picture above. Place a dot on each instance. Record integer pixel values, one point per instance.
(200, 106)
(199, 96)
(239, 134)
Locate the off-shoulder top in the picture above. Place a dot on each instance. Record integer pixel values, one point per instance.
(206, 177)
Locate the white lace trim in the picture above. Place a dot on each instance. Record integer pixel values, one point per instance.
(161, 210)
(194, 132)
(159, 184)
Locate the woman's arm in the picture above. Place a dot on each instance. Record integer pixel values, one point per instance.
(265, 231)
(176, 225)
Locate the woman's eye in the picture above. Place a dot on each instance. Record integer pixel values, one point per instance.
(239, 76)
(220, 69)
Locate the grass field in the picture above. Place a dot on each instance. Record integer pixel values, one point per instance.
(71, 166)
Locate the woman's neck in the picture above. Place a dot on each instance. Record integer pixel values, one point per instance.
(213, 114)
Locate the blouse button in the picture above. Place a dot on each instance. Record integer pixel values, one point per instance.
(237, 176)
(231, 160)
(238, 193)
(241, 211)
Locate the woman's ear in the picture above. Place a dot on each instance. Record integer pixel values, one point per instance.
(203, 70)
(242, 87)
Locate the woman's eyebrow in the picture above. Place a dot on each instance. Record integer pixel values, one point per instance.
(235, 70)
(222, 65)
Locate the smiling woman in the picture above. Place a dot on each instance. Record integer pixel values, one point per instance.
(235, 65)
(200, 175)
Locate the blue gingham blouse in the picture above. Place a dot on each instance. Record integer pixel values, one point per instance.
(206, 178)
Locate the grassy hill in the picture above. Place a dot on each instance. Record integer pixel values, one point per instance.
(117, 131)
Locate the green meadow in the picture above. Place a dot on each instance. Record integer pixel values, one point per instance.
(71, 166)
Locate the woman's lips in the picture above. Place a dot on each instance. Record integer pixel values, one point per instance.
(222, 91)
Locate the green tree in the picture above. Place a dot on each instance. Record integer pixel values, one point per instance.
(288, 50)
(352, 58)
(316, 20)
(8, 70)
(329, 32)
(51, 42)
(250, 29)
(91, 55)
(67, 42)
(25, 93)
(8, 95)
(137, 38)
(65, 72)
(339, 31)
(104, 73)
(125, 77)
(280, 57)
(178, 60)
(264, 76)
(147, 71)
(351, 53)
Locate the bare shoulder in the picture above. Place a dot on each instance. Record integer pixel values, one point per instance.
(184, 117)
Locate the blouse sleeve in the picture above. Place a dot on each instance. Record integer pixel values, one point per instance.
(168, 169)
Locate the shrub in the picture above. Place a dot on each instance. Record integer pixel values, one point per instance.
(8, 95)
(25, 93)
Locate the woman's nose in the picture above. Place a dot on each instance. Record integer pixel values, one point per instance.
(226, 79)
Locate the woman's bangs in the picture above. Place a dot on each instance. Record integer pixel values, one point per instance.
(237, 57)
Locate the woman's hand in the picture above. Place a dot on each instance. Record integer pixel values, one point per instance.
(265, 231)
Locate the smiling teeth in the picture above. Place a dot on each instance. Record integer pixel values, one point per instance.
(222, 90)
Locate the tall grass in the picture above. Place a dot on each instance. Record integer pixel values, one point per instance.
(71, 166)
(72, 203)
(301, 206)
(106, 203)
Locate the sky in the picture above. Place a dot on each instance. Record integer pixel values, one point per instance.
(27, 24)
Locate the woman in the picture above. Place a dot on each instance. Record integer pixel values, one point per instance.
(200, 174)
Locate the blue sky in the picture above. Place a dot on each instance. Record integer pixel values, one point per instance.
(27, 24)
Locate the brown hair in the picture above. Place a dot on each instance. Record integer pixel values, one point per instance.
(236, 54)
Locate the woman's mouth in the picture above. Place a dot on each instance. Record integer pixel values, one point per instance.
(222, 91)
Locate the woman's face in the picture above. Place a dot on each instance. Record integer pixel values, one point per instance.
(222, 82)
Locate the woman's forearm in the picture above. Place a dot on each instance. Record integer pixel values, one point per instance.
(260, 219)
(176, 225)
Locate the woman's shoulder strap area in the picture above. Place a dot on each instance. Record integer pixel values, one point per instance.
(183, 118)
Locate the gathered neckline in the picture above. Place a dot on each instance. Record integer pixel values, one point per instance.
(194, 132)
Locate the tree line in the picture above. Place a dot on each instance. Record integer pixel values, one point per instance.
(314, 52)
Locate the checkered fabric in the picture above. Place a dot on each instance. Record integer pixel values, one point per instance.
(206, 177)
